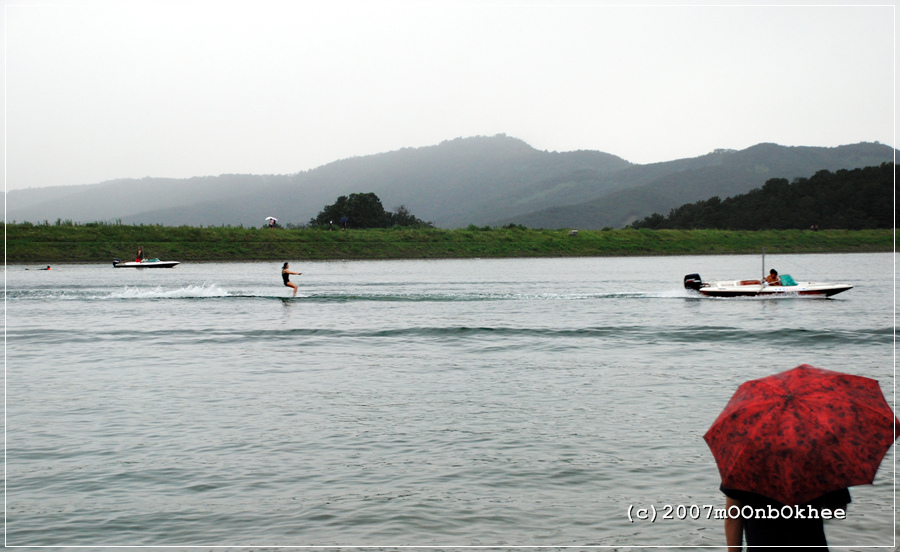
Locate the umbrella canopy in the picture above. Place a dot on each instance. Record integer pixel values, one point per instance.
(271, 218)
(799, 434)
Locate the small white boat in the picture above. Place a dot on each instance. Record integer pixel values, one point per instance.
(145, 263)
(758, 288)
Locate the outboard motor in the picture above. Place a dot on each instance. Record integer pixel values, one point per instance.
(116, 261)
(692, 281)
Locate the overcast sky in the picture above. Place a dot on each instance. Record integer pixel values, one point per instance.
(100, 90)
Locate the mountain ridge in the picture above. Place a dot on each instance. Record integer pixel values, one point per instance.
(478, 180)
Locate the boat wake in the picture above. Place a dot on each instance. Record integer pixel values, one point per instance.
(472, 297)
(215, 291)
(188, 292)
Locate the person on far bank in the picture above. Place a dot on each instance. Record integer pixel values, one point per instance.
(772, 279)
(285, 275)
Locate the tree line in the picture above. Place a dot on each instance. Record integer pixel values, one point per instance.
(365, 211)
(846, 199)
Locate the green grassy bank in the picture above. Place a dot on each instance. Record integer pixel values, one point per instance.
(27, 243)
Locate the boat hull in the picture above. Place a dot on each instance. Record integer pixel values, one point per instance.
(729, 289)
(145, 264)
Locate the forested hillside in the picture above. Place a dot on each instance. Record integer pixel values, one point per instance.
(846, 199)
(659, 187)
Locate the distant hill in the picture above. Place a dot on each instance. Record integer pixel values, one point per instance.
(857, 199)
(481, 180)
(659, 187)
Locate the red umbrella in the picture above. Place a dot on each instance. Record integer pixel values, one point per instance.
(799, 434)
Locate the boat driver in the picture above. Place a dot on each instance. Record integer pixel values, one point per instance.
(772, 279)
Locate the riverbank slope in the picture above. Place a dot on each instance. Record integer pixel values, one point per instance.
(27, 243)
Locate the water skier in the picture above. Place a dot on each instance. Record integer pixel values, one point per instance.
(285, 275)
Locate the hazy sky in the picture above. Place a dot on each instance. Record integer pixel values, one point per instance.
(98, 90)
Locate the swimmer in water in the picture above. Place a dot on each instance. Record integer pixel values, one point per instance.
(285, 275)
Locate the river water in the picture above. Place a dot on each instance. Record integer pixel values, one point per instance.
(516, 402)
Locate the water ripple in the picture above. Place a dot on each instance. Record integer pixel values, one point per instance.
(643, 333)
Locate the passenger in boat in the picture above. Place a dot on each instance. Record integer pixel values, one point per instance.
(285, 275)
(140, 254)
(772, 279)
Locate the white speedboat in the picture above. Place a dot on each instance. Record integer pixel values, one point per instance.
(758, 288)
(145, 263)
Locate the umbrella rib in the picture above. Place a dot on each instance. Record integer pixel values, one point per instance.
(748, 442)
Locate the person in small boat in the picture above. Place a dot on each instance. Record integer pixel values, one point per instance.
(772, 279)
(285, 275)
(140, 254)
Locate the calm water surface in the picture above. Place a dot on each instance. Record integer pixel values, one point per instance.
(473, 402)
